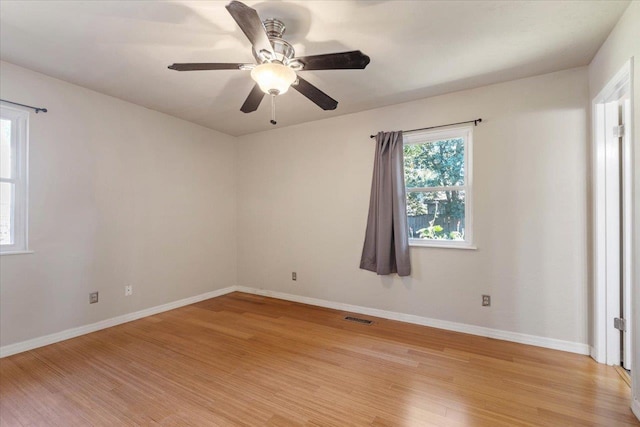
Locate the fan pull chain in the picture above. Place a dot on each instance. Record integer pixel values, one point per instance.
(273, 109)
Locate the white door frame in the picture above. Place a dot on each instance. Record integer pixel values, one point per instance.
(606, 236)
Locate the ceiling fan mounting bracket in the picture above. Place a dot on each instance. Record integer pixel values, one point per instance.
(274, 27)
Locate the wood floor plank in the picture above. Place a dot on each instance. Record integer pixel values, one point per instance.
(247, 360)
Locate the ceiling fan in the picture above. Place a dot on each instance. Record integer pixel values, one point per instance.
(277, 66)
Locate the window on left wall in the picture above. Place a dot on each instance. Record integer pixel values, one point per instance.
(14, 127)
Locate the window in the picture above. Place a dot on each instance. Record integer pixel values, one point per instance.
(437, 176)
(13, 180)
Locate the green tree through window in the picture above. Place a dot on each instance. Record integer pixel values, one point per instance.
(435, 180)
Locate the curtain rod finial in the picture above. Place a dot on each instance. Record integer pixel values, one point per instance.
(36, 109)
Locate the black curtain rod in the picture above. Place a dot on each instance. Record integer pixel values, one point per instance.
(37, 109)
(475, 123)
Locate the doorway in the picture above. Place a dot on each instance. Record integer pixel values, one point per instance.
(612, 191)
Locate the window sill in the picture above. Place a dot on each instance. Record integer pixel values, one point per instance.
(423, 244)
(16, 252)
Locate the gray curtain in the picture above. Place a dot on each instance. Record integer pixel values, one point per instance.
(386, 243)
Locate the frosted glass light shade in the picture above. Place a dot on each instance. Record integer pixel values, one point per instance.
(273, 77)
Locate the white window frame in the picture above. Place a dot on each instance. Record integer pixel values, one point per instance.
(20, 168)
(427, 136)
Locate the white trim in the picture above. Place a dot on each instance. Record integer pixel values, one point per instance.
(20, 177)
(19, 347)
(628, 229)
(599, 238)
(426, 136)
(450, 244)
(552, 343)
(17, 253)
(612, 214)
(635, 408)
(606, 251)
(430, 135)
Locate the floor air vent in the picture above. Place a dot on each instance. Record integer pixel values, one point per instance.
(358, 320)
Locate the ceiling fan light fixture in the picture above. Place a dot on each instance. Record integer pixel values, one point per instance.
(276, 63)
(273, 78)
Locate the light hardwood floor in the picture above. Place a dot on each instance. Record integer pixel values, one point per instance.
(243, 359)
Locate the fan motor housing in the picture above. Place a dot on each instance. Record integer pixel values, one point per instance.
(284, 52)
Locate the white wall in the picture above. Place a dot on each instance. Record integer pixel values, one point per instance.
(119, 195)
(624, 43)
(303, 195)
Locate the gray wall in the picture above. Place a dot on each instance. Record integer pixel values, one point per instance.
(110, 182)
(119, 195)
(303, 194)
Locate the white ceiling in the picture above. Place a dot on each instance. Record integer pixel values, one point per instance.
(417, 49)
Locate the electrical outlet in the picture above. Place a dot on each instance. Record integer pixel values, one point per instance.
(128, 290)
(93, 297)
(486, 300)
(294, 276)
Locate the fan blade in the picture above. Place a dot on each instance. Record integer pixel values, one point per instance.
(251, 25)
(317, 96)
(205, 66)
(335, 61)
(253, 100)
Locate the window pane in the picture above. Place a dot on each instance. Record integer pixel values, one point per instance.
(6, 213)
(436, 215)
(434, 164)
(6, 158)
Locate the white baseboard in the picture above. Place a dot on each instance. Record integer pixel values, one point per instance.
(19, 347)
(635, 408)
(551, 343)
(596, 355)
(555, 344)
